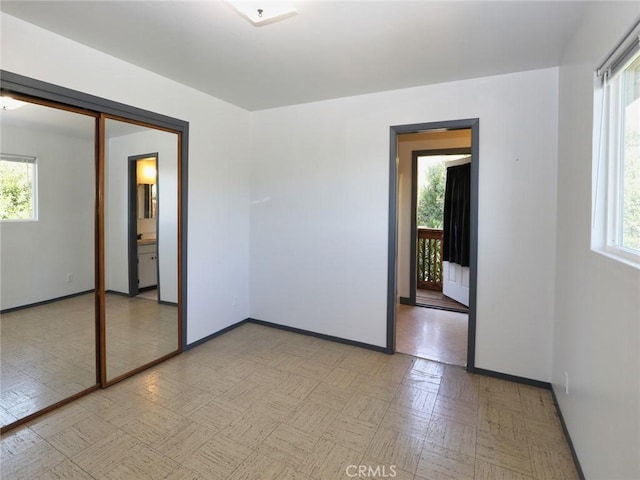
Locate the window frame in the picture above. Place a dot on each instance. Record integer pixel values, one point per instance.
(33, 161)
(609, 152)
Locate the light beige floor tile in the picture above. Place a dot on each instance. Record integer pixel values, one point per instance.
(544, 431)
(81, 435)
(217, 458)
(307, 368)
(312, 418)
(377, 388)
(332, 397)
(188, 402)
(154, 425)
(218, 413)
(391, 372)
(184, 473)
(297, 386)
(386, 472)
(504, 452)
(350, 432)
(497, 420)
(294, 407)
(288, 445)
(31, 462)
(330, 355)
(459, 388)
(366, 408)
(262, 467)
(437, 463)
(66, 470)
(276, 405)
(538, 406)
(415, 398)
(407, 421)
(17, 441)
(106, 454)
(183, 443)
(344, 378)
(489, 471)
(362, 360)
(144, 463)
(51, 423)
(265, 375)
(389, 447)
(456, 410)
(241, 368)
(452, 435)
(329, 461)
(551, 460)
(250, 429)
(245, 393)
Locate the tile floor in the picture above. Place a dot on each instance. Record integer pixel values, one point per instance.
(47, 353)
(432, 334)
(260, 403)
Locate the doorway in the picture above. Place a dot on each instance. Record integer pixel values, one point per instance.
(403, 242)
(143, 224)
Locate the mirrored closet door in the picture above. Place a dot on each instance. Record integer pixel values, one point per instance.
(92, 245)
(47, 257)
(141, 218)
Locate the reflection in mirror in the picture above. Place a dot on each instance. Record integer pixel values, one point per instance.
(146, 200)
(47, 201)
(141, 283)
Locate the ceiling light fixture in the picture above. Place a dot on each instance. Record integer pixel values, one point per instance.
(8, 103)
(263, 12)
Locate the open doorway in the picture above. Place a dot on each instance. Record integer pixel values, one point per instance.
(424, 321)
(436, 281)
(143, 226)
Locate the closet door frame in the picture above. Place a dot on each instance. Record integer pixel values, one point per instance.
(47, 94)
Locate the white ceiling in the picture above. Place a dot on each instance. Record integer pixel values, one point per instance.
(328, 50)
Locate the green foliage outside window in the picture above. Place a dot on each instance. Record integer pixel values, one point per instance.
(16, 190)
(431, 197)
(631, 192)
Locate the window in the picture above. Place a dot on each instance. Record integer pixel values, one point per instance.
(18, 191)
(616, 226)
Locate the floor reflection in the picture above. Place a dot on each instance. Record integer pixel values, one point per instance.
(47, 353)
(139, 330)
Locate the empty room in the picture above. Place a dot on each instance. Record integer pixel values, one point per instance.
(212, 239)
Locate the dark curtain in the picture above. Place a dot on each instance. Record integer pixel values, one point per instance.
(457, 225)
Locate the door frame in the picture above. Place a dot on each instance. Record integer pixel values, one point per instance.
(413, 255)
(44, 92)
(132, 229)
(392, 262)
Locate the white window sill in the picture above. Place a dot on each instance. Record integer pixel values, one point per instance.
(620, 255)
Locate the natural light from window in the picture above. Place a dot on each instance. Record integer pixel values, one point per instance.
(18, 191)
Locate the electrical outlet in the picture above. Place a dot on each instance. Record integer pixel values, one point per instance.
(69, 277)
(566, 383)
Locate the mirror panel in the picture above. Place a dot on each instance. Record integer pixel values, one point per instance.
(141, 254)
(48, 324)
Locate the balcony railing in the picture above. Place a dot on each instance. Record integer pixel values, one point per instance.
(429, 257)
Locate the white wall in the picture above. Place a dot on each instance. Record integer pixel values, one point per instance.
(36, 257)
(119, 149)
(218, 235)
(319, 218)
(597, 312)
